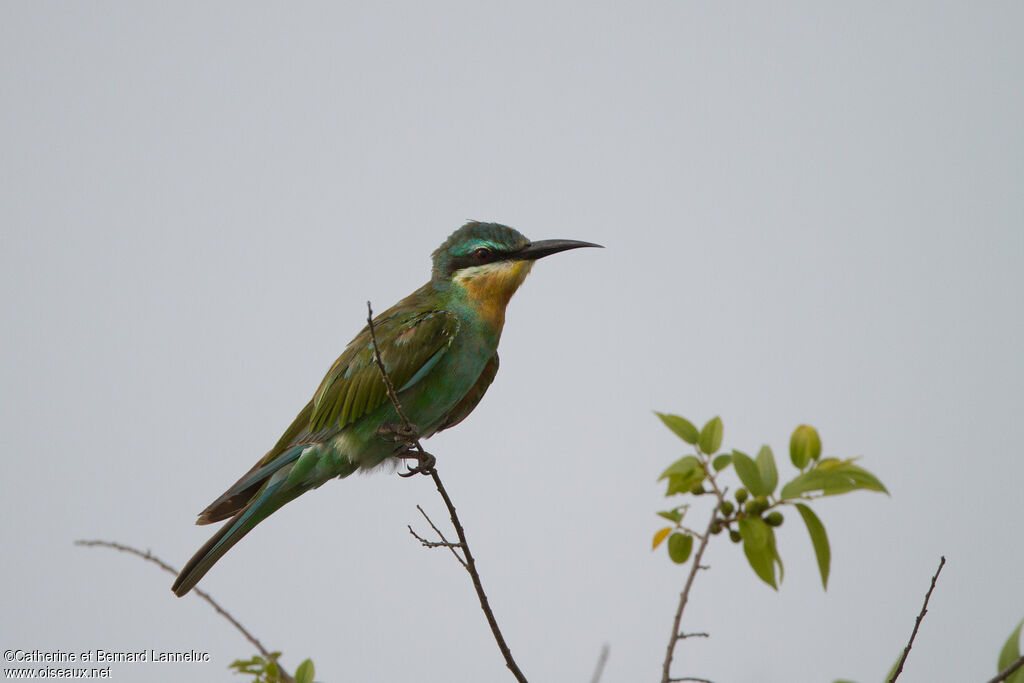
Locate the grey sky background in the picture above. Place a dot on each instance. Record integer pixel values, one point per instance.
(812, 214)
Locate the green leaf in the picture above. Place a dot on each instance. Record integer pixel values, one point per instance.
(759, 551)
(683, 475)
(892, 669)
(253, 665)
(775, 552)
(754, 532)
(749, 473)
(814, 480)
(832, 477)
(711, 436)
(863, 478)
(1011, 653)
(672, 515)
(766, 467)
(304, 674)
(679, 547)
(804, 446)
(819, 539)
(682, 427)
(683, 466)
(721, 462)
(660, 536)
(680, 484)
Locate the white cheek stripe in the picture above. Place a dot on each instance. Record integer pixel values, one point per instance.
(470, 272)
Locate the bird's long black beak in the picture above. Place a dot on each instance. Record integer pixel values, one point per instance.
(536, 250)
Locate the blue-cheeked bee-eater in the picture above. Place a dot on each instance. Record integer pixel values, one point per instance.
(439, 346)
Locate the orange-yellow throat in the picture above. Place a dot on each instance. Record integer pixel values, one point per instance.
(491, 286)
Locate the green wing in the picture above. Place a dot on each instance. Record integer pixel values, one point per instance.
(411, 343)
(411, 340)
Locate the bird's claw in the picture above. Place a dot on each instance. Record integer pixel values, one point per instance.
(399, 432)
(424, 462)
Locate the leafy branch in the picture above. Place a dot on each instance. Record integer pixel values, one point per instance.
(264, 666)
(753, 517)
(683, 549)
(1011, 662)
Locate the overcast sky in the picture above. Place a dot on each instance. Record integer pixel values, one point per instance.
(812, 214)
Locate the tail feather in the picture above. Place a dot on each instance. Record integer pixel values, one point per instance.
(254, 497)
(241, 493)
(228, 535)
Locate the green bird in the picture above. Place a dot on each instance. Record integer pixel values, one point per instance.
(439, 346)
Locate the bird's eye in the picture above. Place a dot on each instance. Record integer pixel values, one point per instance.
(481, 253)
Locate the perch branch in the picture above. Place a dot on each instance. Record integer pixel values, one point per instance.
(431, 471)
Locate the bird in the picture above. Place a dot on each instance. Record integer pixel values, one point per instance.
(439, 346)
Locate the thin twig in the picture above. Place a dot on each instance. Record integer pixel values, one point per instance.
(683, 597)
(917, 623)
(688, 678)
(434, 526)
(445, 543)
(470, 563)
(683, 636)
(1008, 671)
(602, 659)
(690, 531)
(431, 544)
(150, 557)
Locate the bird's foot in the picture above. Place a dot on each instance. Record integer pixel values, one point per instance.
(424, 462)
(401, 433)
(408, 435)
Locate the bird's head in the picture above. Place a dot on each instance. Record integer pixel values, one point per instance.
(489, 261)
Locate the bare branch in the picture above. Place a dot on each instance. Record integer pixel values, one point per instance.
(429, 469)
(471, 568)
(688, 678)
(1008, 671)
(150, 557)
(683, 636)
(602, 659)
(917, 623)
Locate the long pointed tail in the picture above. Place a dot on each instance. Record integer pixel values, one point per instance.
(231, 533)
